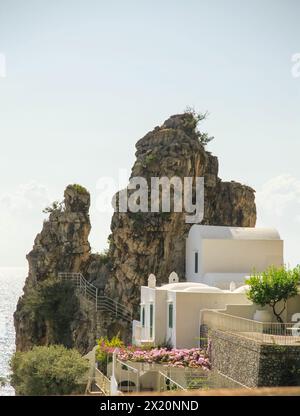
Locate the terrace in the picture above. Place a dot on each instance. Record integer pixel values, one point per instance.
(260, 332)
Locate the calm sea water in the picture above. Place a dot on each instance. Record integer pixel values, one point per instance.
(11, 284)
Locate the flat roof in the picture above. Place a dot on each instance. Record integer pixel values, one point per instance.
(194, 287)
(233, 233)
(182, 286)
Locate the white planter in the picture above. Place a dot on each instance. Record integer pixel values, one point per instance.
(263, 316)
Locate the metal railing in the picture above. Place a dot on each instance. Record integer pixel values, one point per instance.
(261, 332)
(91, 292)
(102, 382)
(166, 383)
(127, 376)
(219, 380)
(141, 335)
(187, 378)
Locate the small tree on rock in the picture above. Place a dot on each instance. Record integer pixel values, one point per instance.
(193, 119)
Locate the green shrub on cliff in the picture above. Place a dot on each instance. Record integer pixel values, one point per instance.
(53, 303)
(79, 188)
(52, 370)
(56, 206)
(3, 381)
(193, 118)
(104, 256)
(151, 158)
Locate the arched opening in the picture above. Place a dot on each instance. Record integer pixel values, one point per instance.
(126, 386)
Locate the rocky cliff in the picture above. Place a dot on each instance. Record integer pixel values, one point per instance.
(144, 243)
(140, 243)
(62, 245)
(49, 311)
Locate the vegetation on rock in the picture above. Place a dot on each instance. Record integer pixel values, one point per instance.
(56, 206)
(3, 381)
(191, 123)
(139, 244)
(103, 257)
(144, 243)
(61, 246)
(79, 188)
(53, 302)
(52, 370)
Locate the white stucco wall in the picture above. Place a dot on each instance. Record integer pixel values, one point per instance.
(148, 297)
(160, 317)
(188, 307)
(231, 250)
(186, 312)
(158, 299)
(293, 308)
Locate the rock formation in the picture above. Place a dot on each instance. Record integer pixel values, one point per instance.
(140, 243)
(62, 246)
(145, 243)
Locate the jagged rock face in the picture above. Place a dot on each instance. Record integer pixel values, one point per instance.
(62, 246)
(140, 243)
(145, 243)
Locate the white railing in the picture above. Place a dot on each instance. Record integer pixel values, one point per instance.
(166, 383)
(91, 292)
(130, 374)
(128, 377)
(262, 332)
(222, 381)
(187, 378)
(140, 335)
(102, 382)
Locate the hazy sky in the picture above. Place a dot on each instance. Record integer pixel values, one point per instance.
(86, 79)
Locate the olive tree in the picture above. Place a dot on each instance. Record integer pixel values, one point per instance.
(272, 287)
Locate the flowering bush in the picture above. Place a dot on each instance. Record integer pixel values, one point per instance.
(105, 349)
(192, 358)
(180, 358)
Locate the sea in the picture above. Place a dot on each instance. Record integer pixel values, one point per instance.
(12, 280)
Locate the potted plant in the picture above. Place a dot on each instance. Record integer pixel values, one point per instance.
(273, 288)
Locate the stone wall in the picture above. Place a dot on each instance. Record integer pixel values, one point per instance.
(253, 364)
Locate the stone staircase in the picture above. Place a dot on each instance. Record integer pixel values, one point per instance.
(92, 294)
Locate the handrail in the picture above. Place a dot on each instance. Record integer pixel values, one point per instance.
(217, 313)
(135, 370)
(213, 312)
(219, 373)
(172, 381)
(102, 302)
(287, 333)
(102, 382)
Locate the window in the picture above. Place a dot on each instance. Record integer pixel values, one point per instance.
(196, 262)
(151, 321)
(143, 316)
(170, 315)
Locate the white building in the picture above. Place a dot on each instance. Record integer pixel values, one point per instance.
(219, 255)
(172, 313)
(218, 259)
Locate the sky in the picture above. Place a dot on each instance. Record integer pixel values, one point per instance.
(84, 80)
